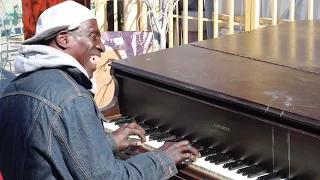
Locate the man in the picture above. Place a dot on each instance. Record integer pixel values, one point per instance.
(50, 127)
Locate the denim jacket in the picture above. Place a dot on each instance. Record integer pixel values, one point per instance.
(50, 128)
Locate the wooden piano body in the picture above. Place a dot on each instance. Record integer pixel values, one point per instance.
(254, 95)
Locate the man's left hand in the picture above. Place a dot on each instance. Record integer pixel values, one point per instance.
(121, 136)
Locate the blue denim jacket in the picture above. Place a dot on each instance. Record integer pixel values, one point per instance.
(50, 128)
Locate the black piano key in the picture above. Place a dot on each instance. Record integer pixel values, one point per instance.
(142, 124)
(167, 138)
(146, 128)
(117, 119)
(255, 172)
(235, 165)
(178, 139)
(163, 133)
(218, 158)
(223, 160)
(271, 176)
(198, 146)
(241, 171)
(258, 174)
(207, 152)
(121, 122)
(160, 135)
(152, 131)
(214, 157)
(208, 158)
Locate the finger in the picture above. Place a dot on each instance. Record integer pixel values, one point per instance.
(138, 133)
(186, 156)
(124, 126)
(166, 145)
(190, 149)
(182, 143)
(135, 142)
(137, 126)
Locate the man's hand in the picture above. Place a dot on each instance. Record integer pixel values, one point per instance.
(180, 151)
(122, 134)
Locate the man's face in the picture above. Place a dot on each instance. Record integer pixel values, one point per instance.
(87, 46)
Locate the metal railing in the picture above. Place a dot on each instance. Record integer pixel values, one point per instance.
(249, 21)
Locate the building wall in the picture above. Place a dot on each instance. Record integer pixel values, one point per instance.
(33, 8)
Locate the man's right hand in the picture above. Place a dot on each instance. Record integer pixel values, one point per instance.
(180, 151)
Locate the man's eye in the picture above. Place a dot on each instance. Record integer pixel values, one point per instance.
(95, 37)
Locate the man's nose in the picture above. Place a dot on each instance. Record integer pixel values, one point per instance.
(101, 47)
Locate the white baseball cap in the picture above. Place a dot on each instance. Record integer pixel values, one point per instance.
(68, 14)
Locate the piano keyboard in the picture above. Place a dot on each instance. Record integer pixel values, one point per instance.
(216, 164)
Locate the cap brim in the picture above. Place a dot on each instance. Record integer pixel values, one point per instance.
(38, 37)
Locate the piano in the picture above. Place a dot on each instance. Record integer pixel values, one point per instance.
(249, 102)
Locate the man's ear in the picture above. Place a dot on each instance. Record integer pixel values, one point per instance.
(63, 40)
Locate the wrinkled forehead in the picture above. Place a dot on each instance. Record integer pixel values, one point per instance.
(90, 25)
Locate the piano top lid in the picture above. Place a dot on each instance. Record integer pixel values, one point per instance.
(295, 44)
(267, 82)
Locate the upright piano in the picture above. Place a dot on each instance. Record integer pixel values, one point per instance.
(249, 102)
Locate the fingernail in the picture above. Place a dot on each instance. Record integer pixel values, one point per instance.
(199, 155)
(138, 143)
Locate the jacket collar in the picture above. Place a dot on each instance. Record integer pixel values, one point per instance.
(77, 75)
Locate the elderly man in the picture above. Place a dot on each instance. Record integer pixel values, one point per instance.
(50, 127)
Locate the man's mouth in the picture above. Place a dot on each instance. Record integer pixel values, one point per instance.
(94, 59)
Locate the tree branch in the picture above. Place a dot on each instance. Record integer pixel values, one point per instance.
(159, 21)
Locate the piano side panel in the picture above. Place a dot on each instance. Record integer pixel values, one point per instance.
(244, 136)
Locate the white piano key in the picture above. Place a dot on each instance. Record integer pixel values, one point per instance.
(217, 170)
(110, 126)
(153, 144)
(220, 172)
(150, 144)
(204, 166)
